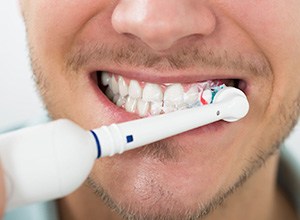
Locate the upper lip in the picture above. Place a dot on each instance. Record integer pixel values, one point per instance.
(173, 75)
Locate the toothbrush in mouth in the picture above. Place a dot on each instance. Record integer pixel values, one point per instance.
(226, 103)
(52, 160)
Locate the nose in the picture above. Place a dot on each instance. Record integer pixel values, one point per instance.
(161, 23)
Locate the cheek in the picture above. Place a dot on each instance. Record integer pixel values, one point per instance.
(53, 26)
(274, 26)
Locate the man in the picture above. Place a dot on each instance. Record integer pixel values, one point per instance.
(220, 171)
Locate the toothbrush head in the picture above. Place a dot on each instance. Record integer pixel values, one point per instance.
(235, 103)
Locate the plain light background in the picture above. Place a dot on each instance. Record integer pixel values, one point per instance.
(19, 100)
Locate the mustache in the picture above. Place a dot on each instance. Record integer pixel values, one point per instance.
(182, 58)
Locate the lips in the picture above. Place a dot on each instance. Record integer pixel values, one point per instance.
(146, 99)
(220, 133)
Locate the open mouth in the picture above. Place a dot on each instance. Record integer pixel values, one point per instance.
(146, 99)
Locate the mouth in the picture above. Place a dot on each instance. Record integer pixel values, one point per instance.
(146, 99)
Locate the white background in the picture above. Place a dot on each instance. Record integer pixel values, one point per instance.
(18, 99)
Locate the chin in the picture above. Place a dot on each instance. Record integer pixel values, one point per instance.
(167, 179)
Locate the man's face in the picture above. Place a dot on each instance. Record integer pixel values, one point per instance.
(256, 43)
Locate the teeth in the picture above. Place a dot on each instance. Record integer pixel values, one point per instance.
(130, 104)
(173, 98)
(152, 93)
(114, 86)
(109, 93)
(191, 96)
(143, 107)
(121, 101)
(105, 78)
(155, 108)
(156, 99)
(135, 90)
(116, 98)
(123, 88)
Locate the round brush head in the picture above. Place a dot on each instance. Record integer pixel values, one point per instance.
(237, 105)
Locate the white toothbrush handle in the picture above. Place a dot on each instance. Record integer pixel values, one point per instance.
(45, 162)
(117, 138)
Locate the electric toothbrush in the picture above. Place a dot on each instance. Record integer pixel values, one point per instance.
(52, 160)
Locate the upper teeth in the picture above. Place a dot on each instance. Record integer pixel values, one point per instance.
(173, 98)
(135, 91)
(123, 88)
(152, 99)
(152, 93)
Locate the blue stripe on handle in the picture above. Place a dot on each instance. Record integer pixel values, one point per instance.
(97, 142)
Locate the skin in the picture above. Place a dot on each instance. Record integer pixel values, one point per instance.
(191, 174)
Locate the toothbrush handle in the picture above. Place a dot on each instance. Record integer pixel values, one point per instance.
(45, 162)
(118, 138)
